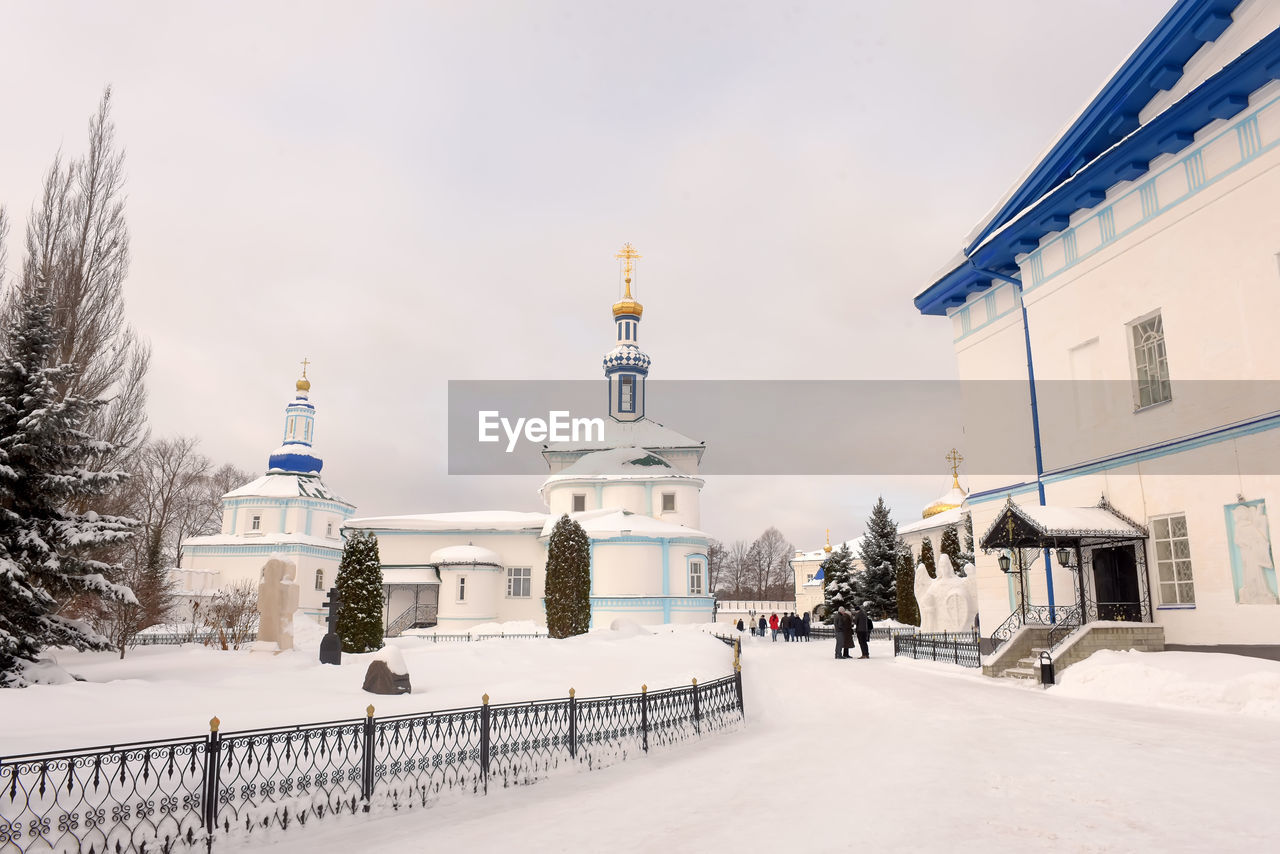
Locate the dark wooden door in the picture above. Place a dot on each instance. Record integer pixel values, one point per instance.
(1115, 584)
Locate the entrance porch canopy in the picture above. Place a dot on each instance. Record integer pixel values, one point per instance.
(1031, 526)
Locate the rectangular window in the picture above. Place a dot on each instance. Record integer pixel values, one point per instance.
(255, 524)
(319, 579)
(1173, 560)
(518, 581)
(579, 503)
(328, 530)
(462, 588)
(1150, 364)
(695, 578)
(627, 393)
(668, 502)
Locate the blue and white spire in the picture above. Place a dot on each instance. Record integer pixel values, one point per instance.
(296, 455)
(626, 366)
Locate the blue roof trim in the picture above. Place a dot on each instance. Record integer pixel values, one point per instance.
(1154, 67)
(1221, 96)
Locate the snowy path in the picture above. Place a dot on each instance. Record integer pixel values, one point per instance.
(926, 757)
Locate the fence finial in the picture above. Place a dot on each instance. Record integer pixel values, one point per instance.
(695, 681)
(485, 699)
(571, 693)
(214, 723)
(369, 711)
(644, 689)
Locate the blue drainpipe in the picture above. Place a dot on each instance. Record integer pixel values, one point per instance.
(1035, 419)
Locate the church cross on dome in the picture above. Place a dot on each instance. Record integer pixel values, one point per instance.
(955, 458)
(627, 254)
(305, 362)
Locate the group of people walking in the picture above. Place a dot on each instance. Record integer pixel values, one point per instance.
(847, 624)
(792, 625)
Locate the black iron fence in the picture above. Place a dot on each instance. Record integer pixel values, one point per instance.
(186, 793)
(208, 638)
(829, 632)
(953, 647)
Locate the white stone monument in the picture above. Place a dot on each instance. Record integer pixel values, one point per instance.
(947, 603)
(277, 600)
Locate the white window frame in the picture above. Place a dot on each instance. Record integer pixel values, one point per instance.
(319, 579)
(462, 588)
(1176, 592)
(519, 582)
(255, 522)
(1162, 384)
(665, 508)
(697, 577)
(579, 504)
(328, 529)
(627, 393)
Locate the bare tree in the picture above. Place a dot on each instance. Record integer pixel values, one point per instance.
(716, 557)
(233, 613)
(78, 248)
(770, 565)
(736, 574)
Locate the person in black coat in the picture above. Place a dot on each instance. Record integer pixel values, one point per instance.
(764, 624)
(862, 624)
(804, 627)
(741, 626)
(843, 632)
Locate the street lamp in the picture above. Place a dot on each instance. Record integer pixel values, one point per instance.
(1005, 563)
(1064, 557)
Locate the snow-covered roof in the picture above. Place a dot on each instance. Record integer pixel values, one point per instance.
(954, 516)
(612, 521)
(478, 520)
(468, 554)
(631, 434)
(1050, 521)
(410, 575)
(263, 539)
(821, 554)
(280, 485)
(618, 463)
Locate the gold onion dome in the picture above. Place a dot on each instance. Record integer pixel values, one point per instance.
(627, 305)
(304, 385)
(955, 496)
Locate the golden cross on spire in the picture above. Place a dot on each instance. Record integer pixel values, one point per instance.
(955, 459)
(305, 362)
(627, 254)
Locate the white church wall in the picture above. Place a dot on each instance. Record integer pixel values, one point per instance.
(469, 595)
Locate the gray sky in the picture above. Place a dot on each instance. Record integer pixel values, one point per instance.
(408, 193)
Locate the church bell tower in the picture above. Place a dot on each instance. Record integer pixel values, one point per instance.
(626, 366)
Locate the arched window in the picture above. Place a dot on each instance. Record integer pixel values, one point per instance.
(319, 579)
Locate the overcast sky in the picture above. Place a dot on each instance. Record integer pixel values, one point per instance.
(409, 193)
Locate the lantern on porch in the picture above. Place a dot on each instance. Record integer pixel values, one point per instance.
(1005, 562)
(1064, 557)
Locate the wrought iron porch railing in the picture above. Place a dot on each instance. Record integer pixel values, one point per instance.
(437, 637)
(954, 647)
(183, 793)
(412, 616)
(1068, 622)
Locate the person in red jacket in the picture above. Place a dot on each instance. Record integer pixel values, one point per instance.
(773, 624)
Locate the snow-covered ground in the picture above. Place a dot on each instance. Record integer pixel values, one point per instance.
(1133, 752)
(168, 692)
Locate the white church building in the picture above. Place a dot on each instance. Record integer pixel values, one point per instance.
(288, 512)
(635, 492)
(1127, 287)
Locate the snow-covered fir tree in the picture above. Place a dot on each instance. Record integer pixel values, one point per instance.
(950, 546)
(47, 491)
(838, 589)
(568, 580)
(926, 557)
(880, 549)
(359, 586)
(966, 556)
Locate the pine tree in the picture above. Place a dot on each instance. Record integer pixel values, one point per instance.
(568, 591)
(47, 490)
(926, 558)
(879, 553)
(359, 586)
(950, 546)
(908, 607)
(837, 581)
